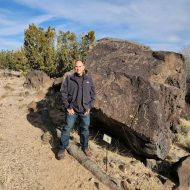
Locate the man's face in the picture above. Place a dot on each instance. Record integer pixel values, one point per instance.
(79, 68)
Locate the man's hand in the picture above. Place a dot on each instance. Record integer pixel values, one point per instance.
(70, 111)
(87, 112)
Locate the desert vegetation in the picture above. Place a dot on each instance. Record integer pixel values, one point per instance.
(47, 51)
(183, 138)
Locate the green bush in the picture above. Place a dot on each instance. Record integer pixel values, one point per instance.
(39, 48)
(45, 51)
(14, 60)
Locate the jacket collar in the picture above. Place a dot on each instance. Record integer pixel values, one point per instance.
(85, 76)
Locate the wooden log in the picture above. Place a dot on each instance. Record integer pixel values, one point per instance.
(112, 183)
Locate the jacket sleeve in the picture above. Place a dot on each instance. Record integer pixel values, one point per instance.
(64, 92)
(92, 94)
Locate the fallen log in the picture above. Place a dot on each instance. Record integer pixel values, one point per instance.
(112, 183)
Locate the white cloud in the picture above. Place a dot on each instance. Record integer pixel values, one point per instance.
(12, 25)
(15, 27)
(174, 39)
(8, 44)
(164, 22)
(4, 21)
(164, 47)
(153, 15)
(133, 12)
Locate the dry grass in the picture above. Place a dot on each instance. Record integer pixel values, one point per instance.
(185, 126)
(150, 185)
(184, 138)
(115, 147)
(188, 140)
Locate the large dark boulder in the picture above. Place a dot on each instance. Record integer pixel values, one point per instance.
(140, 94)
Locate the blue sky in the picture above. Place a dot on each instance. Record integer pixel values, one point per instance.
(162, 25)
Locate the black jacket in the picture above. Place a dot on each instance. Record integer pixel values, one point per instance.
(69, 90)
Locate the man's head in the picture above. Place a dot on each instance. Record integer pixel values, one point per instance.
(79, 67)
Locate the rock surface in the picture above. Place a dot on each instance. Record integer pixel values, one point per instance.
(38, 79)
(184, 174)
(186, 110)
(181, 172)
(140, 94)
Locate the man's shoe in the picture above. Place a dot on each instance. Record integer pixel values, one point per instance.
(60, 155)
(87, 152)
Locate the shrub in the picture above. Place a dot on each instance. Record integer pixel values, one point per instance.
(45, 51)
(185, 126)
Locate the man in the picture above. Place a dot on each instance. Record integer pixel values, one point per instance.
(78, 95)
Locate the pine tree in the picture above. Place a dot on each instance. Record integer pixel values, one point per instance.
(39, 48)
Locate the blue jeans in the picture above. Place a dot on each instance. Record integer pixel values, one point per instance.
(84, 130)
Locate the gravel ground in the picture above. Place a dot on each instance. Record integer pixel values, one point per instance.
(25, 162)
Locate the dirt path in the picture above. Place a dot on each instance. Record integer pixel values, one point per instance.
(25, 162)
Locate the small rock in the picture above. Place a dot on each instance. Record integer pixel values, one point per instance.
(125, 185)
(148, 174)
(112, 164)
(97, 185)
(128, 180)
(91, 179)
(32, 107)
(134, 162)
(124, 167)
(151, 163)
(38, 79)
(124, 177)
(168, 184)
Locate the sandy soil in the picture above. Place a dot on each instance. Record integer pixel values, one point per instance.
(25, 162)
